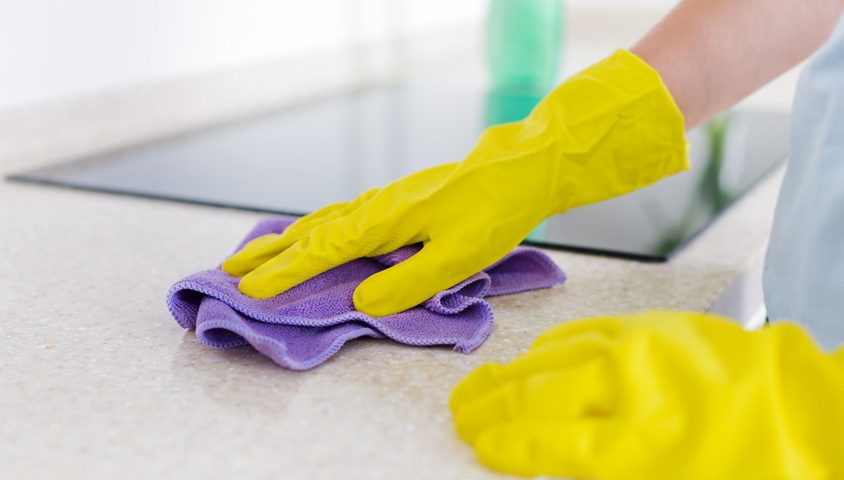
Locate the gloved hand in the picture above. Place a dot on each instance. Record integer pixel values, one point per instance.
(604, 132)
(660, 395)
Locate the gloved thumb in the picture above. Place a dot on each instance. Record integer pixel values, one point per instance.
(403, 286)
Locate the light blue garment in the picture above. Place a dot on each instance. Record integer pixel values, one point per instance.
(804, 267)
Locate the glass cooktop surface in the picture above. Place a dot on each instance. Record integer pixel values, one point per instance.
(299, 159)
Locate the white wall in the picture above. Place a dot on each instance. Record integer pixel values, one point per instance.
(59, 49)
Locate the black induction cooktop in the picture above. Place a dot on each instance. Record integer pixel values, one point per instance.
(296, 160)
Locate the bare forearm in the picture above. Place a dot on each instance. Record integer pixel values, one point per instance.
(713, 53)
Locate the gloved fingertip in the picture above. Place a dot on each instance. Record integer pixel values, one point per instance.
(234, 267)
(382, 294)
(506, 448)
(487, 410)
(396, 289)
(258, 288)
(376, 304)
(481, 380)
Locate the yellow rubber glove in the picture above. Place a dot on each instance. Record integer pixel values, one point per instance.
(660, 395)
(606, 131)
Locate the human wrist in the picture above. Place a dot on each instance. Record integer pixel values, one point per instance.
(621, 129)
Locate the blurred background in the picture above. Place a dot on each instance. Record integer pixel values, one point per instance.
(79, 77)
(83, 77)
(62, 49)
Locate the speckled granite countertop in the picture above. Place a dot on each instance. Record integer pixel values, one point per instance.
(97, 379)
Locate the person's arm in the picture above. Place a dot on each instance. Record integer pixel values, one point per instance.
(713, 53)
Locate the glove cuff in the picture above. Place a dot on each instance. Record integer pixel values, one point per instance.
(616, 129)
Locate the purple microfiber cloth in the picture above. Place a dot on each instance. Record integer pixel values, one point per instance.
(304, 326)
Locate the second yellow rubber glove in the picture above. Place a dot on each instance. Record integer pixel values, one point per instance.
(660, 395)
(606, 131)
